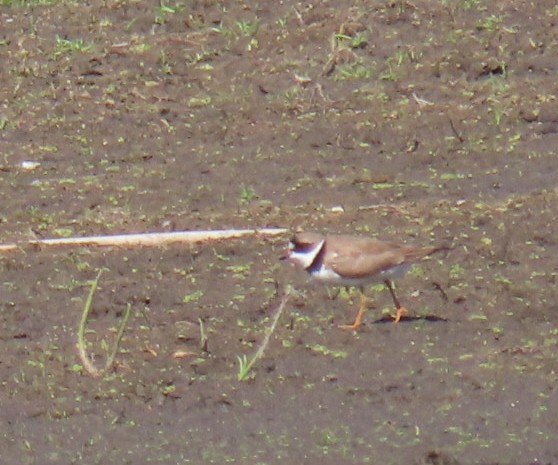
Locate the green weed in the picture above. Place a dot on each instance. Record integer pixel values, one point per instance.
(65, 46)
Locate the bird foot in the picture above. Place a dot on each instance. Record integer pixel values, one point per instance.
(354, 326)
(399, 313)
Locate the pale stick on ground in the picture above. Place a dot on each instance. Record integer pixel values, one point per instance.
(145, 239)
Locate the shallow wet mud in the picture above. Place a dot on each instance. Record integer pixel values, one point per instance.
(421, 122)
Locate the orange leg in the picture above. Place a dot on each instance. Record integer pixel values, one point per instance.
(361, 309)
(399, 309)
(399, 313)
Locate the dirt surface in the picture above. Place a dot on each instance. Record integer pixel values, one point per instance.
(422, 121)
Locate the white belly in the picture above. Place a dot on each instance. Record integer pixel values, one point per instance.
(328, 276)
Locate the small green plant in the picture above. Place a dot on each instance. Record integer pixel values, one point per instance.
(240, 271)
(193, 297)
(469, 4)
(456, 271)
(244, 366)
(247, 194)
(162, 12)
(164, 63)
(455, 35)
(354, 71)
(321, 349)
(281, 22)
(498, 114)
(248, 28)
(359, 40)
(400, 57)
(291, 95)
(390, 74)
(490, 23)
(64, 46)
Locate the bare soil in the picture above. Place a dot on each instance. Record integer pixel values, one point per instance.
(422, 121)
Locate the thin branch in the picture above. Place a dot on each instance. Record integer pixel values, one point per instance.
(147, 239)
(245, 365)
(459, 136)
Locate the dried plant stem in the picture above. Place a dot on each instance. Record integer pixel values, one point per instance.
(245, 365)
(85, 360)
(146, 239)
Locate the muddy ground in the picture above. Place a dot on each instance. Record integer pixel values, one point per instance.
(419, 121)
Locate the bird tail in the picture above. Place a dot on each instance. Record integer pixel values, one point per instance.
(417, 253)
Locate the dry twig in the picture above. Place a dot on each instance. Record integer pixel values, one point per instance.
(146, 239)
(246, 365)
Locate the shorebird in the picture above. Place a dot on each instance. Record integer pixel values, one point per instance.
(355, 261)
